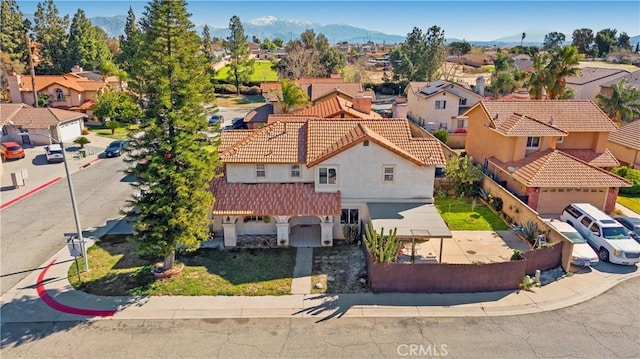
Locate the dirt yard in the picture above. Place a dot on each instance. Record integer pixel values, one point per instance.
(338, 269)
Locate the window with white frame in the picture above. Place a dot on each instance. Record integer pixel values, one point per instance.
(350, 216)
(441, 104)
(59, 95)
(460, 123)
(327, 175)
(388, 173)
(261, 170)
(559, 139)
(533, 142)
(462, 102)
(295, 171)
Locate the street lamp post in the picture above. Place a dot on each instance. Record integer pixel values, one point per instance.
(74, 206)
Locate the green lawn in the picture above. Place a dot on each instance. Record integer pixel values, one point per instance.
(240, 101)
(633, 203)
(461, 215)
(488, 68)
(115, 271)
(120, 134)
(261, 72)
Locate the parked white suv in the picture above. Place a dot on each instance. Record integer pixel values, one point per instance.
(610, 239)
(582, 254)
(54, 153)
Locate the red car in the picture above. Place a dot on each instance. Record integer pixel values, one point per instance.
(11, 151)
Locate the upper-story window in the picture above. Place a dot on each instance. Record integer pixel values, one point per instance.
(533, 142)
(388, 173)
(261, 170)
(327, 175)
(59, 95)
(441, 104)
(462, 102)
(295, 171)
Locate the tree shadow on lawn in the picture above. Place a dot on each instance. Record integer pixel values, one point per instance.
(206, 272)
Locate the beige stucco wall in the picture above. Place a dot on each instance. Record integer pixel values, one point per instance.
(625, 154)
(276, 173)
(590, 90)
(423, 110)
(596, 141)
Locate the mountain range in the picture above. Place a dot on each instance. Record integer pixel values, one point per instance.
(286, 29)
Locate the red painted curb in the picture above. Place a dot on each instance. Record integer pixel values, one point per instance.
(46, 298)
(23, 196)
(88, 163)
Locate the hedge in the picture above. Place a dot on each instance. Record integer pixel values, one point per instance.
(631, 175)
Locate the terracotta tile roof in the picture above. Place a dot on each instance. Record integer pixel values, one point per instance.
(280, 142)
(333, 107)
(283, 199)
(333, 134)
(628, 135)
(590, 74)
(316, 80)
(553, 168)
(72, 81)
(30, 118)
(520, 125)
(309, 140)
(604, 159)
(259, 114)
(318, 90)
(85, 106)
(567, 115)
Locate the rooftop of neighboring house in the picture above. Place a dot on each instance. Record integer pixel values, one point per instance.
(590, 74)
(554, 168)
(71, 80)
(566, 115)
(29, 117)
(521, 125)
(312, 140)
(315, 88)
(628, 135)
(428, 89)
(633, 80)
(335, 106)
(522, 64)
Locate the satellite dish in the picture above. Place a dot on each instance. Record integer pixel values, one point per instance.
(511, 169)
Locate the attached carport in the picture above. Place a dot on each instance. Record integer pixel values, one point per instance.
(413, 220)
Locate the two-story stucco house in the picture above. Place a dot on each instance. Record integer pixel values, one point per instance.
(586, 85)
(550, 153)
(625, 144)
(439, 104)
(300, 180)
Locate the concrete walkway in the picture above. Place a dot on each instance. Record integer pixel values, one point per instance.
(301, 283)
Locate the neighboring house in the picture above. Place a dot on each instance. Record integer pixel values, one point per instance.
(633, 80)
(301, 179)
(586, 86)
(440, 104)
(473, 60)
(625, 144)
(549, 153)
(523, 64)
(32, 126)
(73, 91)
(315, 88)
(333, 104)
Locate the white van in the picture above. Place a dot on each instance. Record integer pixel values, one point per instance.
(608, 237)
(582, 254)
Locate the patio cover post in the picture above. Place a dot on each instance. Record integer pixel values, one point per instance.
(440, 259)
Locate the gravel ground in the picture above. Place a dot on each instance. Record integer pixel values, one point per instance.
(338, 269)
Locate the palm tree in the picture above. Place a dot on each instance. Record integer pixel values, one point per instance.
(538, 79)
(292, 96)
(622, 104)
(564, 62)
(502, 77)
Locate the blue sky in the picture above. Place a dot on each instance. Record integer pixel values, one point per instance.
(472, 20)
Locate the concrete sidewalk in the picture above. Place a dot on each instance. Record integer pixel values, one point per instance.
(23, 303)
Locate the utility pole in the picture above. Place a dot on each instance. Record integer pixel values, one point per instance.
(27, 27)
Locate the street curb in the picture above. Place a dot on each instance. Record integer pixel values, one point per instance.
(83, 166)
(25, 195)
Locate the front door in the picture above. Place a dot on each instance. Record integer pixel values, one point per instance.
(25, 139)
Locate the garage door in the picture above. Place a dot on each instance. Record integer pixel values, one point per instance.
(70, 131)
(553, 200)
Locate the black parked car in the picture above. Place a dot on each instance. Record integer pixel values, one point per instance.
(632, 224)
(115, 148)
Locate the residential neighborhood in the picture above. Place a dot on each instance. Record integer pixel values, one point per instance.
(288, 185)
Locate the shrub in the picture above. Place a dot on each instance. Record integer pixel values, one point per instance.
(529, 231)
(442, 135)
(85, 130)
(253, 90)
(81, 141)
(631, 175)
(387, 91)
(230, 89)
(495, 202)
(517, 255)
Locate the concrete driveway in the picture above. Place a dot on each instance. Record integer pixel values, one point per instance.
(472, 247)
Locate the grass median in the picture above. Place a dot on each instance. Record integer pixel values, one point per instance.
(116, 270)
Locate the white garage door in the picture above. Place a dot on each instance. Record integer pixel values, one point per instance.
(70, 131)
(553, 200)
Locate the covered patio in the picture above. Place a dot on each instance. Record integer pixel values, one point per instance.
(416, 222)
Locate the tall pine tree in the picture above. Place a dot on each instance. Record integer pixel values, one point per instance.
(51, 32)
(13, 32)
(129, 44)
(237, 47)
(173, 158)
(87, 44)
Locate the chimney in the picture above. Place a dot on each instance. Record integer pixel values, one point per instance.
(399, 108)
(362, 103)
(76, 69)
(14, 82)
(522, 94)
(480, 85)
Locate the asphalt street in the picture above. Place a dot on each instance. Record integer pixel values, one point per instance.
(607, 326)
(34, 228)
